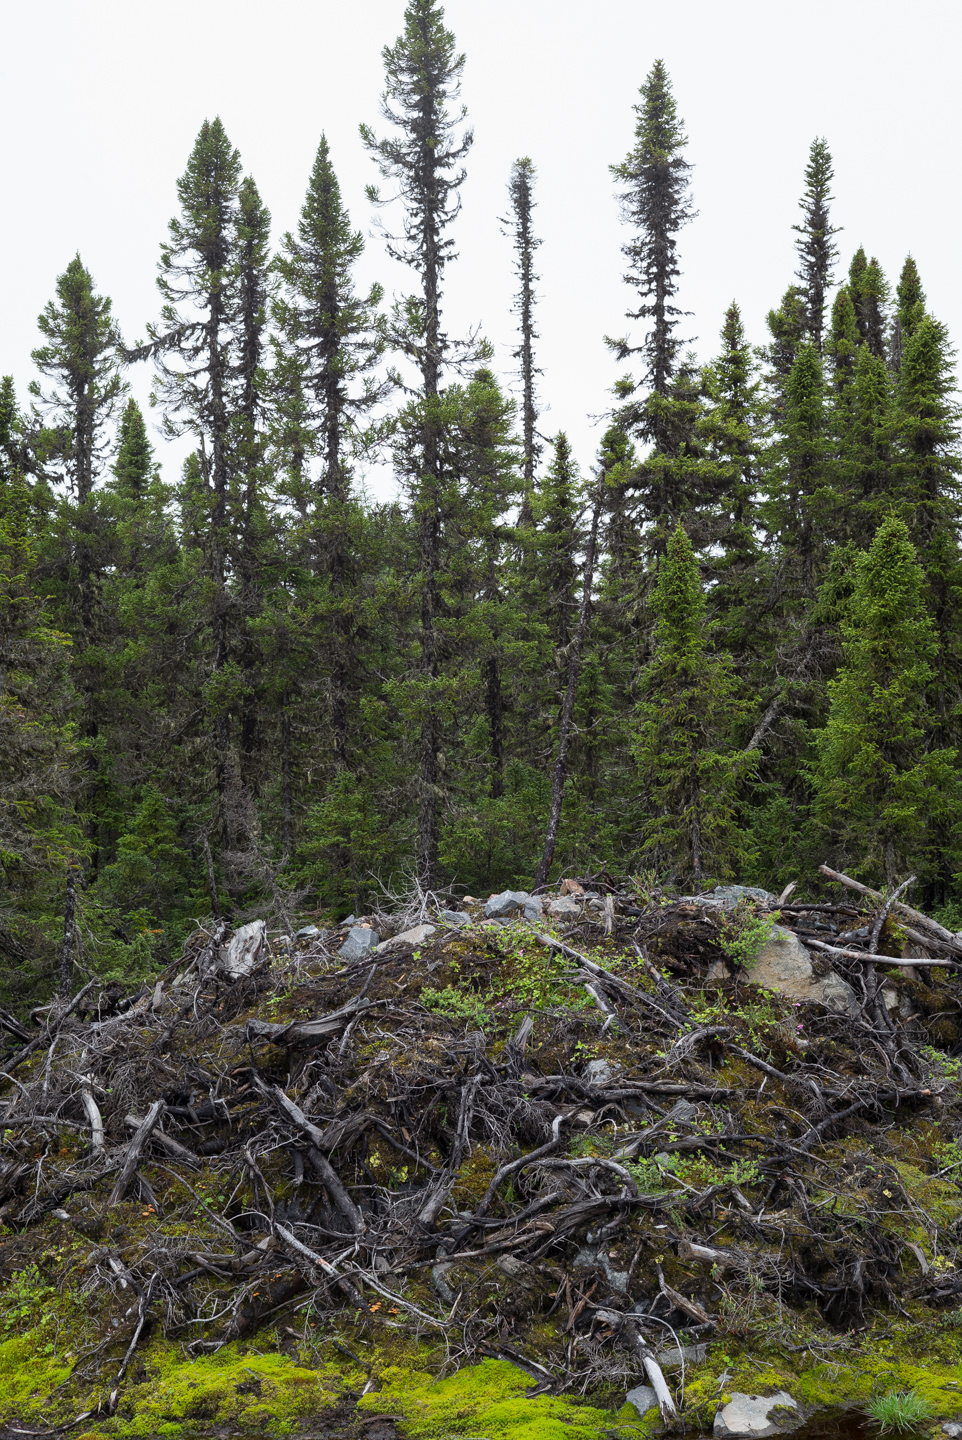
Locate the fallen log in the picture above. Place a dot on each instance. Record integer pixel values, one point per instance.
(947, 936)
(133, 1153)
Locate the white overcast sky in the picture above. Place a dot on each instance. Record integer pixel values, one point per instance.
(101, 101)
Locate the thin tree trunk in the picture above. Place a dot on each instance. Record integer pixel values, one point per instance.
(567, 712)
(66, 948)
(494, 700)
(211, 881)
(287, 824)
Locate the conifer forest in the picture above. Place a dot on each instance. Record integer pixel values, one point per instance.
(727, 645)
(485, 962)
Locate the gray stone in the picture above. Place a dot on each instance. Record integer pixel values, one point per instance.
(308, 932)
(754, 1415)
(361, 942)
(417, 936)
(949, 1427)
(599, 1072)
(500, 906)
(533, 907)
(785, 966)
(670, 1359)
(565, 907)
(729, 895)
(456, 917)
(717, 972)
(642, 1397)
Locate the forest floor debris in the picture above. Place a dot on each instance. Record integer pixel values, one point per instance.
(496, 1173)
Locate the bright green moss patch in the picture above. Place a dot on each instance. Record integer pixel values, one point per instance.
(250, 1393)
(488, 1399)
(27, 1377)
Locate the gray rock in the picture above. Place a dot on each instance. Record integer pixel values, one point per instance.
(417, 936)
(566, 907)
(509, 901)
(717, 972)
(642, 1397)
(754, 1415)
(456, 917)
(599, 1072)
(785, 966)
(533, 907)
(308, 932)
(361, 942)
(670, 1359)
(949, 1427)
(729, 895)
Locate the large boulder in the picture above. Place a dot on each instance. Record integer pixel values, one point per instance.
(785, 966)
(509, 902)
(756, 1416)
(360, 943)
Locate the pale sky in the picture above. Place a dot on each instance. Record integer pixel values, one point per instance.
(101, 101)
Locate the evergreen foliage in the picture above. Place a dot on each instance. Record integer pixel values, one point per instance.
(732, 645)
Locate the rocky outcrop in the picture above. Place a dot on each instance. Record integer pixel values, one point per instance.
(785, 966)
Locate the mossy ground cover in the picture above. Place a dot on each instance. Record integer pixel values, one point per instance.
(842, 1267)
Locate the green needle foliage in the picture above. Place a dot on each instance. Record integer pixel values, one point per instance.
(688, 769)
(880, 787)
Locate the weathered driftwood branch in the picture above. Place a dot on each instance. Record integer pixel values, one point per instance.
(646, 1355)
(165, 1141)
(303, 1032)
(320, 1163)
(947, 936)
(133, 1153)
(845, 954)
(94, 1116)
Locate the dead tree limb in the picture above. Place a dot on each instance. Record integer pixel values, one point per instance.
(133, 1153)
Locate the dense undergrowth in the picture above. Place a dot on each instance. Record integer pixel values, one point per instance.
(750, 1177)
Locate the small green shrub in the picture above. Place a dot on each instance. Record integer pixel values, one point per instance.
(899, 1410)
(745, 933)
(459, 1004)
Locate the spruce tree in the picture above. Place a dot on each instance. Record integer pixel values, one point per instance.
(786, 325)
(729, 429)
(843, 343)
(909, 310)
(688, 770)
(423, 158)
(334, 335)
(869, 293)
(330, 341)
(803, 500)
(525, 242)
(655, 202)
(815, 247)
(880, 786)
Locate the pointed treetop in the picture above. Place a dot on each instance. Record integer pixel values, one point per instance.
(659, 132)
(134, 467)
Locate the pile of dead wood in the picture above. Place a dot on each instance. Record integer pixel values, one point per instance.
(381, 1157)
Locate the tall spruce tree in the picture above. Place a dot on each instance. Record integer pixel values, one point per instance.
(196, 351)
(869, 292)
(423, 158)
(688, 768)
(330, 341)
(880, 785)
(815, 247)
(655, 202)
(526, 243)
(909, 310)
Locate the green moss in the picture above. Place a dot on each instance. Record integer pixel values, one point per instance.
(249, 1392)
(27, 1377)
(489, 1399)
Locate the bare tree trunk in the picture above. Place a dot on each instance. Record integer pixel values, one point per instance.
(211, 880)
(494, 700)
(67, 947)
(567, 711)
(287, 826)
